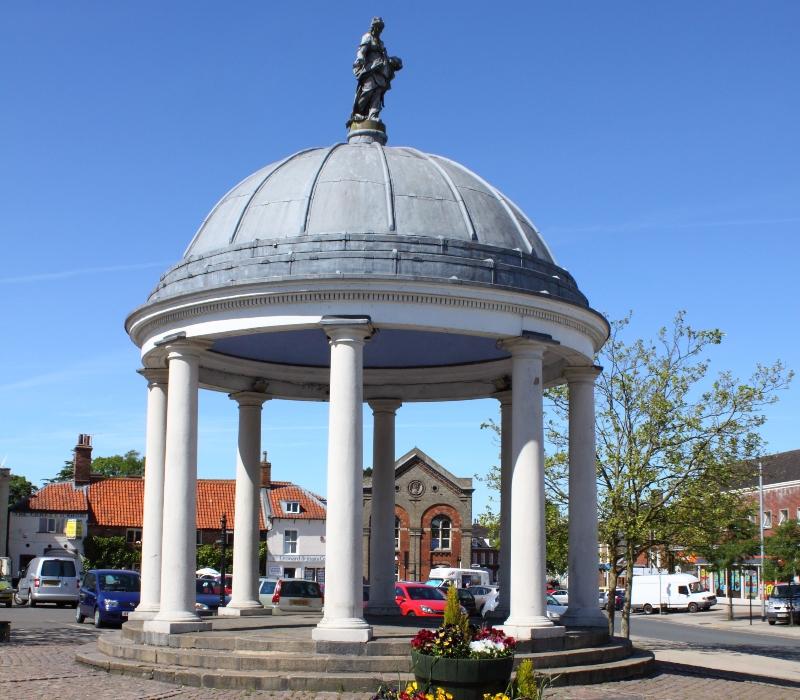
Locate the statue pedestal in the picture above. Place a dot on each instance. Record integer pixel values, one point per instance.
(367, 131)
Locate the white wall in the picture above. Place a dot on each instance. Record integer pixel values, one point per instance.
(25, 539)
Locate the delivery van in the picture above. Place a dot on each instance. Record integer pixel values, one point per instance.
(671, 592)
(443, 576)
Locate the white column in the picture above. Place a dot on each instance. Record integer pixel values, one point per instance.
(504, 573)
(178, 548)
(155, 447)
(528, 615)
(583, 610)
(244, 596)
(381, 541)
(343, 614)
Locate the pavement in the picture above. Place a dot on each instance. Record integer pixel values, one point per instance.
(39, 664)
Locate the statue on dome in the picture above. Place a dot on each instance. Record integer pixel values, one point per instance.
(374, 69)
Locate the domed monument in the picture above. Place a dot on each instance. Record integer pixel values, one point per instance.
(365, 272)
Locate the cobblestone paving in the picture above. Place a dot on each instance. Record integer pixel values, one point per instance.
(40, 664)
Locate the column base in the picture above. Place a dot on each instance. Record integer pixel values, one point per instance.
(383, 609)
(532, 628)
(165, 627)
(145, 614)
(347, 630)
(228, 611)
(584, 617)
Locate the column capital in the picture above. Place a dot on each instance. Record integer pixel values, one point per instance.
(185, 347)
(523, 346)
(344, 329)
(504, 397)
(249, 398)
(384, 405)
(582, 374)
(155, 376)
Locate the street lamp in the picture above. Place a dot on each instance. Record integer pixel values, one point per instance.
(761, 534)
(223, 531)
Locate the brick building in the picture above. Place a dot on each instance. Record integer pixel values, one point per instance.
(433, 517)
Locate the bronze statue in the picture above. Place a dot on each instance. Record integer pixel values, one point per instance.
(374, 70)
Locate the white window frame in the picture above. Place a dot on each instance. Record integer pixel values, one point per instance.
(290, 542)
(396, 534)
(766, 523)
(130, 535)
(291, 507)
(783, 515)
(444, 544)
(798, 514)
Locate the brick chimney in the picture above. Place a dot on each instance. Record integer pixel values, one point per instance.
(266, 471)
(82, 462)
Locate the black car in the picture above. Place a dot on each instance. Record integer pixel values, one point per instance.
(466, 599)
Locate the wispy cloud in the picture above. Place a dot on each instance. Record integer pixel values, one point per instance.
(79, 272)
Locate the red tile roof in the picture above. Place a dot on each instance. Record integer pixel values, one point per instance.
(118, 502)
(61, 498)
(311, 507)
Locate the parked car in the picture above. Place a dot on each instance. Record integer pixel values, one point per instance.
(490, 604)
(107, 596)
(417, 599)
(554, 609)
(266, 587)
(482, 594)
(295, 595)
(49, 580)
(619, 599)
(561, 595)
(467, 601)
(784, 599)
(6, 587)
(207, 594)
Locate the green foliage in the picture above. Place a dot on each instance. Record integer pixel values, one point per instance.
(129, 464)
(783, 548)
(452, 609)
(109, 553)
(66, 473)
(671, 441)
(527, 683)
(19, 488)
(208, 555)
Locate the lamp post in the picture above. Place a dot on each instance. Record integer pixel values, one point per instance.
(223, 532)
(761, 536)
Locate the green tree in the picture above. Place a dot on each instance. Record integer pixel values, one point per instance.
(109, 553)
(670, 439)
(129, 464)
(19, 488)
(66, 473)
(783, 548)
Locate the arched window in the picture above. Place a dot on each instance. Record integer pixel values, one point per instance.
(440, 532)
(396, 534)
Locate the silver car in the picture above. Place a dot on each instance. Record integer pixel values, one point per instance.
(49, 580)
(290, 595)
(555, 609)
(784, 599)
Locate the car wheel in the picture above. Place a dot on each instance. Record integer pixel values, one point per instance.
(693, 608)
(79, 616)
(97, 621)
(18, 600)
(772, 622)
(647, 609)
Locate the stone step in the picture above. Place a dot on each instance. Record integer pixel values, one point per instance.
(639, 663)
(286, 661)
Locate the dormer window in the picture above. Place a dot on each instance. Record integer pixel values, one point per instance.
(291, 507)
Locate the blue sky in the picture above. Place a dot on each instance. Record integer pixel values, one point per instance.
(656, 146)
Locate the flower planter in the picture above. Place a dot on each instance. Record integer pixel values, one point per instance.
(466, 679)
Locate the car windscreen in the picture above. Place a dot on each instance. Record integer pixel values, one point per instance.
(300, 589)
(424, 593)
(434, 582)
(126, 583)
(207, 587)
(267, 587)
(58, 567)
(785, 591)
(697, 587)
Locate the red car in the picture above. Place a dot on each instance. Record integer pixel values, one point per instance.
(417, 599)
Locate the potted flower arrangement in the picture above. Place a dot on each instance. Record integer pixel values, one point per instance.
(460, 658)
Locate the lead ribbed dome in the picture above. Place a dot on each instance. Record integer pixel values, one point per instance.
(367, 188)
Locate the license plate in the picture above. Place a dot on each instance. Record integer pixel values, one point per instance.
(300, 601)
(51, 583)
(124, 613)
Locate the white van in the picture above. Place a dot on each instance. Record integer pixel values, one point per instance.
(462, 578)
(50, 580)
(670, 592)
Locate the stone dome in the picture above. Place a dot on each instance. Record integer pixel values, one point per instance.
(363, 208)
(367, 188)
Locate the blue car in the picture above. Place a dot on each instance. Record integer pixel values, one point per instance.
(207, 598)
(107, 596)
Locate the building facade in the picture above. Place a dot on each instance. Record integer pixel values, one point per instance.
(433, 517)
